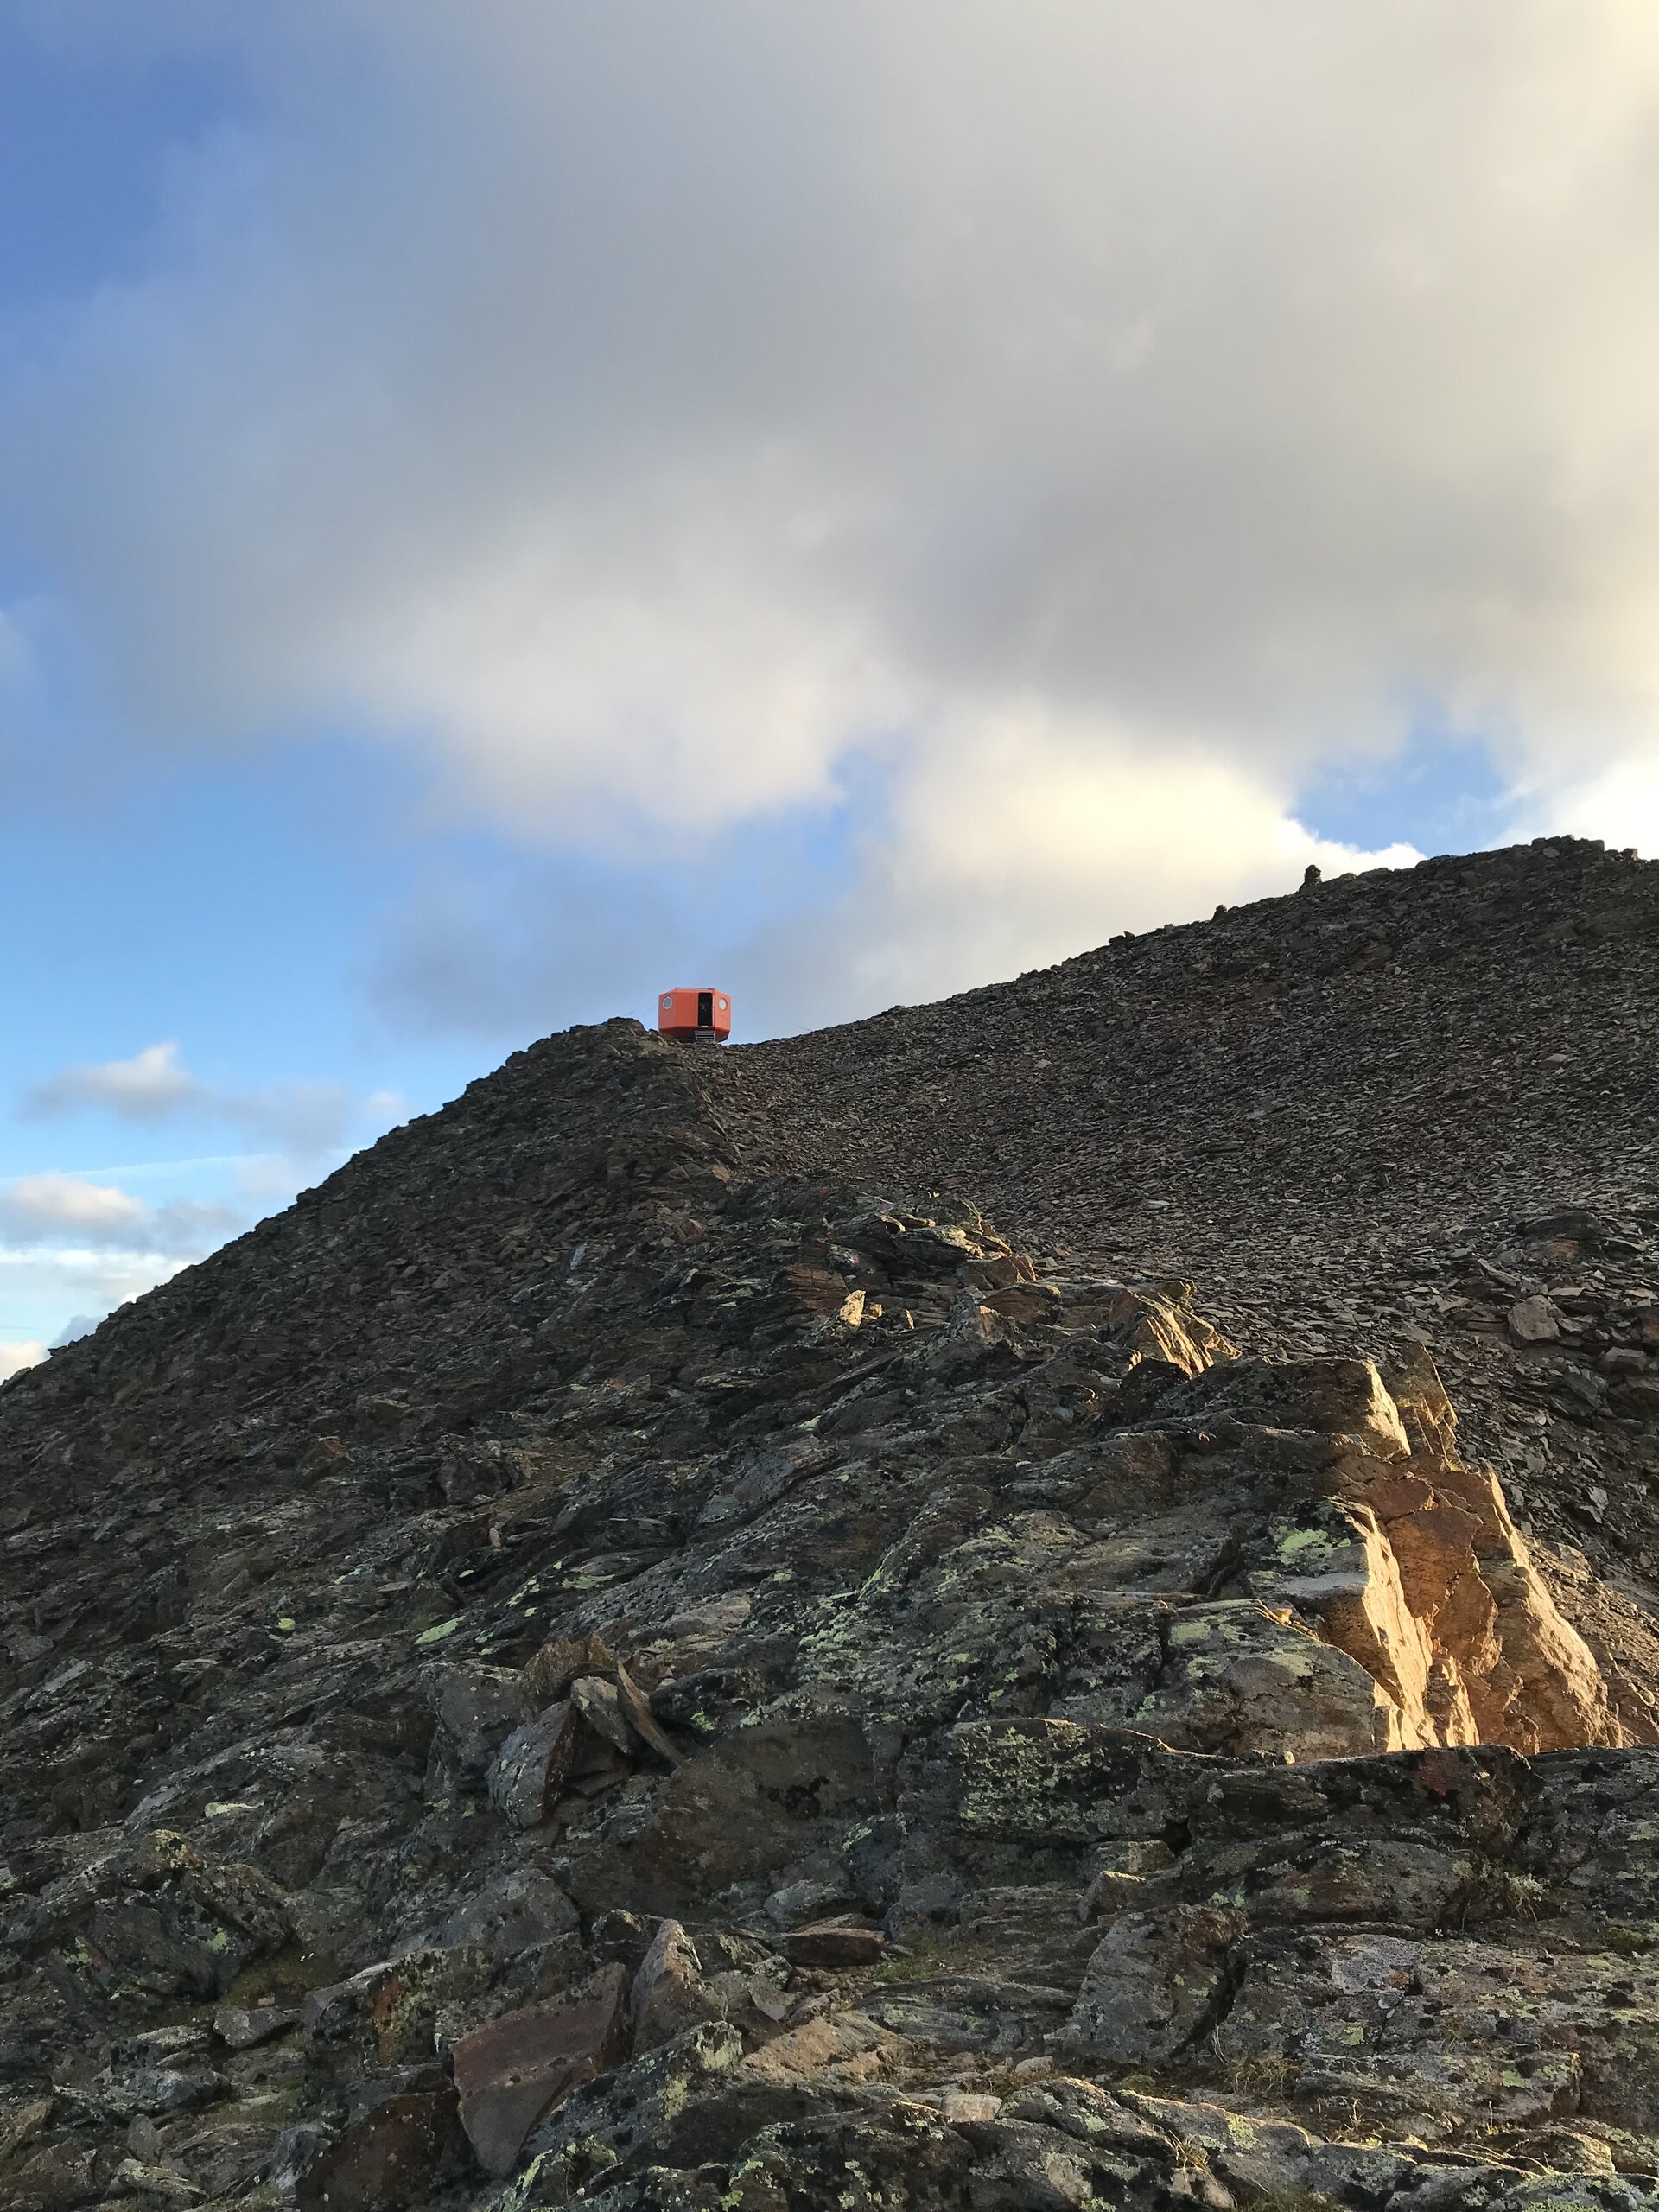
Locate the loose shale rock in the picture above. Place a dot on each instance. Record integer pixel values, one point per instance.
(634, 1649)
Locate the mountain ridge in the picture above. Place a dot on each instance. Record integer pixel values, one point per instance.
(764, 1628)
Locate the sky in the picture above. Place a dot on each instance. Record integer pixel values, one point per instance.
(503, 509)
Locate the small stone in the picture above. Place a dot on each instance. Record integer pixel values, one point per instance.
(530, 1768)
(144, 2141)
(520, 1911)
(799, 1903)
(1534, 1321)
(623, 1937)
(960, 2104)
(548, 1673)
(668, 1994)
(637, 1707)
(1151, 1982)
(476, 1708)
(242, 2029)
(24, 2123)
(596, 1700)
(165, 2184)
(1622, 1359)
(834, 1943)
(1023, 1302)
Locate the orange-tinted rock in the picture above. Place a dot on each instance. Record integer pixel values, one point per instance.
(513, 2071)
(834, 1943)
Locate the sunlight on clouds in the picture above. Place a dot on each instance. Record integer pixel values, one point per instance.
(614, 707)
(39, 1204)
(1620, 806)
(153, 1084)
(15, 1357)
(36, 1210)
(1018, 839)
(646, 426)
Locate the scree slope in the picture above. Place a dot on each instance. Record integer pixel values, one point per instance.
(1041, 1601)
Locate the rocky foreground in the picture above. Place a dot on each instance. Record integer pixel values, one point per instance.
(594, 1662)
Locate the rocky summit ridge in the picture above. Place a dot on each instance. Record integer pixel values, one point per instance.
(1045, 1601)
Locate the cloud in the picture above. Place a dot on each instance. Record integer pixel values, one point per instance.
(85, 1280)
(39, 1206)
(1031, 838)
(83, 1243)
(53, 1209)
(1619, 802)
(150, 1087)
(646, 413)
(15, 1357)
(303, 1120)
(78, 1326)
(66, 1241)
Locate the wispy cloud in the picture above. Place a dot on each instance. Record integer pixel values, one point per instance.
(305, 1120)
(82, 1244)
(40, 1206)
(82, 1279)
(153, 1085)
(138, 1170)
(51, 1210)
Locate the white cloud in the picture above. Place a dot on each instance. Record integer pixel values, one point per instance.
(1619, 803)
(1030, 837)
(37, 1205)
(1098, 415)
(15, 1357)
(51, 1209)
(303, 1120)
(1052, 837)
(83, 1244)
(150, 1087)
(86, 1280)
